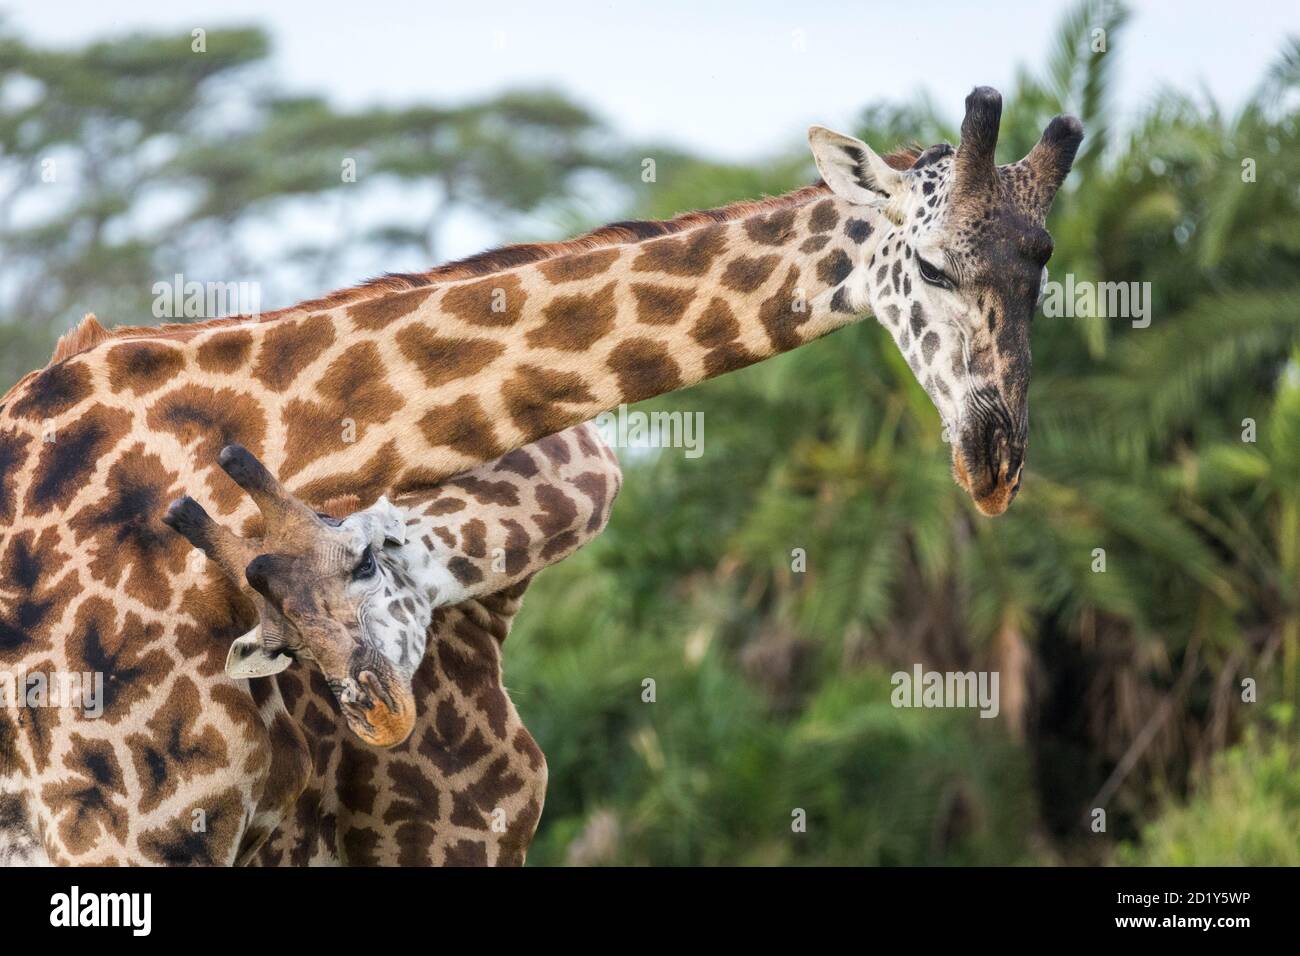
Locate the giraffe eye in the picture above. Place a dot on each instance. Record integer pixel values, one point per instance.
(365, 567)
(933, 274)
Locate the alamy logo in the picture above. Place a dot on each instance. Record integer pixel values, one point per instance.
(946, 689)
(1089, 300)
(134, 910)
(627, 428)
(59, 689)
(179, 299)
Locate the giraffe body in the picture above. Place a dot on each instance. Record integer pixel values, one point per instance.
(93, 581)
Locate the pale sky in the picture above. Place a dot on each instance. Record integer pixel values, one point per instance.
(721, 78)
(727, 80)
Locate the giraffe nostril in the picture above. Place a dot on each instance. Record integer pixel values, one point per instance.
(999, 458)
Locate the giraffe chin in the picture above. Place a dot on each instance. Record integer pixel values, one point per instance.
(995, 504)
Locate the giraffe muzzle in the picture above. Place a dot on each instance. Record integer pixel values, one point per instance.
(989, 466)
(381, 711)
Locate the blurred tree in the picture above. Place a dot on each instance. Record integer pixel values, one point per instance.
(82, 136)
(130, 160)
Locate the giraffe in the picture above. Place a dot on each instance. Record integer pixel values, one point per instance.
(468, 786)
(465, 789)
(392, 387)
(355, 595)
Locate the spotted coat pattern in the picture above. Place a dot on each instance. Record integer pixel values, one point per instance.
(466, 788)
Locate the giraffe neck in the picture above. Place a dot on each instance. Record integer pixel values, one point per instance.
(485, 365)
(484, 534)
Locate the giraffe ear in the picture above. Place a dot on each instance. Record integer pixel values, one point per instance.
(248, 658)
(852, 169)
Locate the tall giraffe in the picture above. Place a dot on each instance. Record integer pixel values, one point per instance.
(393, 387)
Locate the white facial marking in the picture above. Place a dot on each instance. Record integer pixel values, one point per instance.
(395, 604)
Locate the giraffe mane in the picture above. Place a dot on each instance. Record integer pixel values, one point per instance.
(86, 335)
(90, 332)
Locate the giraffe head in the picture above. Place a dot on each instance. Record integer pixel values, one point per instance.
(334, 591)
(955, 273)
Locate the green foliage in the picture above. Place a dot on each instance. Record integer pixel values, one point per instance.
(1246, 812)
(709, 773)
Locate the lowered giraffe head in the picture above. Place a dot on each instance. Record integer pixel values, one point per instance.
(957, 275)
(341, 593)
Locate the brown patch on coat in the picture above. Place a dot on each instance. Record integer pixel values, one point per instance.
(688, 255)
(88, 803)
(36, 591)
(778, 316)
(51, 392)
(644, 368)
(573, 268)
(226, 352)
(177, 748)
(288, 348)
(383, 311)
(122, 528)
(659, 304)
(533, 397)
(463, 426)
(823, 217)
(494, 303)
(443, 359)
(66, 464)
(206, 420)
(501, 493)
(573, 322)
(746, 273)
(772, 229)
(143, 366)
(133, 664)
